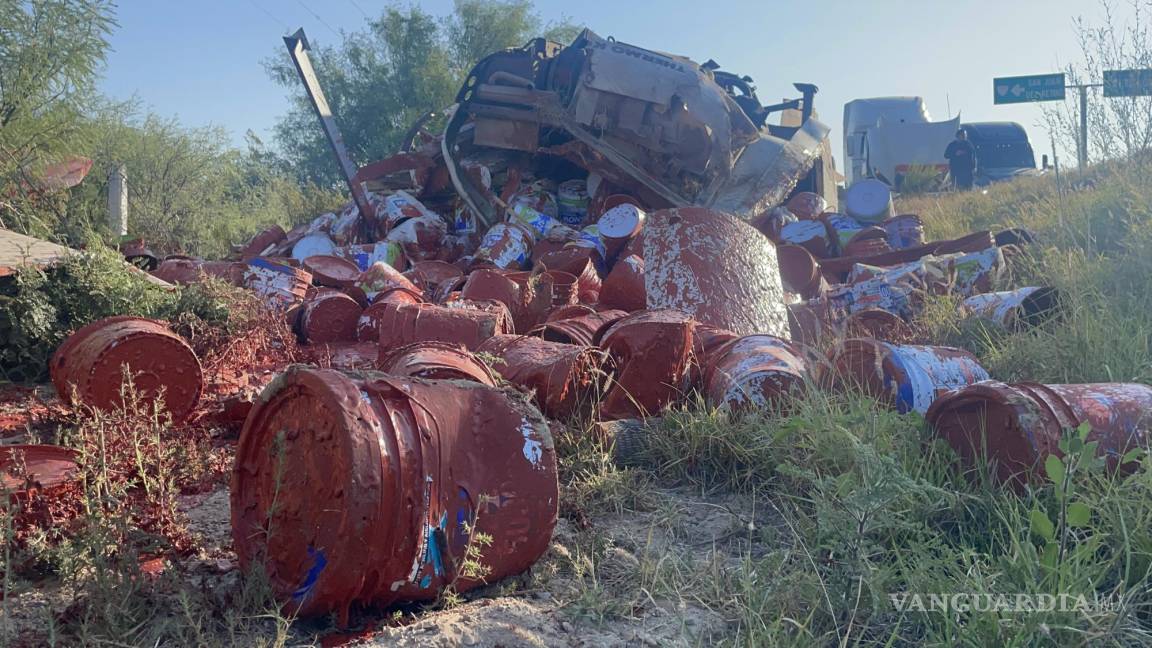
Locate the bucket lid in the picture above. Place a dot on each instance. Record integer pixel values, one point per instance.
(48, 466)
(312, 245)
(868, 199)
(331, 270)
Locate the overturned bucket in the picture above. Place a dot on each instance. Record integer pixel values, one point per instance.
(496, 286)
(623, 288)
(1015, 427)
(376, 489)
(281, 284)
(800, 272)
(330, 316)
(402, 324)
(435, 360)
(332, 271)
(715, 268)
(903, 376)
(40, 468)
(1020, 308)
(877, 323)
(583, 330)
(904, 231)
(437, 278)
(566, 379)
(91, 361)
(579, 262)
(653, 351)
(755, 372)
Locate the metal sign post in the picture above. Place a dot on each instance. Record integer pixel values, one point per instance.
(298, 49)
(1082, 145)
(1051, 87)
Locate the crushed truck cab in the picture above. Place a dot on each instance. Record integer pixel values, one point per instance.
(656, 124)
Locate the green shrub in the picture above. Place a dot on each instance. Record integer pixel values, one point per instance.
(39, 308)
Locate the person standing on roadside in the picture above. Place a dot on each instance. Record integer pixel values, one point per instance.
(961, 156)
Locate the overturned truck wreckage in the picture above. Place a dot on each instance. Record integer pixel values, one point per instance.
(649, 123)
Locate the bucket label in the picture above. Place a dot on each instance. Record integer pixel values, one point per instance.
(533, 446)
(998, 306)
(929, 374)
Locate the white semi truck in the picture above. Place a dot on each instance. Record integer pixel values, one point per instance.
(885, 136)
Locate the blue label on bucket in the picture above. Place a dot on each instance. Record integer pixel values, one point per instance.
(269, 265)
(572, 216)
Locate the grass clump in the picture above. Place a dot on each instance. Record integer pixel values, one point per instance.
(117, 548)
(879, 538)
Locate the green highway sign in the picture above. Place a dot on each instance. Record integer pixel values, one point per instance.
(1128, 83)
(1026, 89)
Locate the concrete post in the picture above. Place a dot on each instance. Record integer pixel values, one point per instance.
(118, 201)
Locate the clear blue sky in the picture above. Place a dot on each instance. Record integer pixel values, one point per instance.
(200, 60)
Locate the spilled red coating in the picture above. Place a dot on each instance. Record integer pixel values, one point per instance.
(564, 378)
(435, 360)
(623, 288)
(90, 362)
(653, 355)
(368, 489)
(330, 316)
(402, 324)
(346, 356)
(1014, 427)
(568, 312)
(715, 268)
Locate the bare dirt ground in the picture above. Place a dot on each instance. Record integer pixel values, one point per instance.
(635, 566)
(589, 590)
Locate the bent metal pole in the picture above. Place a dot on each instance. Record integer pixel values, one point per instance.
(298, 49)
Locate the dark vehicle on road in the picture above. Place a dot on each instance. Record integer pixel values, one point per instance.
(1002, 151)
